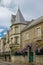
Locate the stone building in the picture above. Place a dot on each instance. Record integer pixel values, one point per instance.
(22, 33)
(17, 24)
(33, 33)
(1, 46)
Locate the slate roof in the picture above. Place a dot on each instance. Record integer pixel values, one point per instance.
(35, 22)
(19, 17)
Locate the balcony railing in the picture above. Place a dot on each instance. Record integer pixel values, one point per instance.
(6, 53)
(10, 45)
(40, 38)
(13, 45)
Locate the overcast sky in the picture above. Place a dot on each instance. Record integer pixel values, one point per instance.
(31, 9)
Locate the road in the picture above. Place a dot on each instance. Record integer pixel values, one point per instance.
(1, 63)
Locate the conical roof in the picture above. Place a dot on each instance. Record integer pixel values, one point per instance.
(19, 17)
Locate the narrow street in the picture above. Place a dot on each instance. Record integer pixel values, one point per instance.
(8, 63)
(3, 64)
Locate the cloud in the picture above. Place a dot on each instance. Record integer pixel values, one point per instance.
(30, 9)
(1, 30)
(5, 2)
(4, 12)
(5, 16)
(0, 37)
(5, 33)
(11, 3)
(0, 34)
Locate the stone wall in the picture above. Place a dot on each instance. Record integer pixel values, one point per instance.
(39, 60)
(19, 59)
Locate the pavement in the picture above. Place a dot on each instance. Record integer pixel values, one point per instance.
(11, 63)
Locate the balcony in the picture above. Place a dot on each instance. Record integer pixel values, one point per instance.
(6, 53)
(40, 38)
(13, 45)
(10, 45)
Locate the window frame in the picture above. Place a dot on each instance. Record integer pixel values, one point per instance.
(16, 39)
(36, 31)
(16, 29)
(27, 37)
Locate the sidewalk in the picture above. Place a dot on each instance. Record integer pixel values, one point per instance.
(13, 63)
(6, 62)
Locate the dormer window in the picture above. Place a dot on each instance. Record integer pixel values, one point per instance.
(13, 19)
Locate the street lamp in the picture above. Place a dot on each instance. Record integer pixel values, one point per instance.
(10, 52)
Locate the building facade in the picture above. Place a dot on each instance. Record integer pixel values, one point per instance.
(22, 33)
(1, 45)
(33, 33)
(17, 24)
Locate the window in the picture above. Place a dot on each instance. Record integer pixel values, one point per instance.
(27, 36)
(16, 40)
(38, 31)
(11, 28)
(16, 29)
(11, 40)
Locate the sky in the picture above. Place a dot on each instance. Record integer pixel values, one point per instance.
(31, 9)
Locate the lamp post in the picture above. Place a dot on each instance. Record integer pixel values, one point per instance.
(29, 48)
(9, 46)
(28, 55)
(10, 49)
